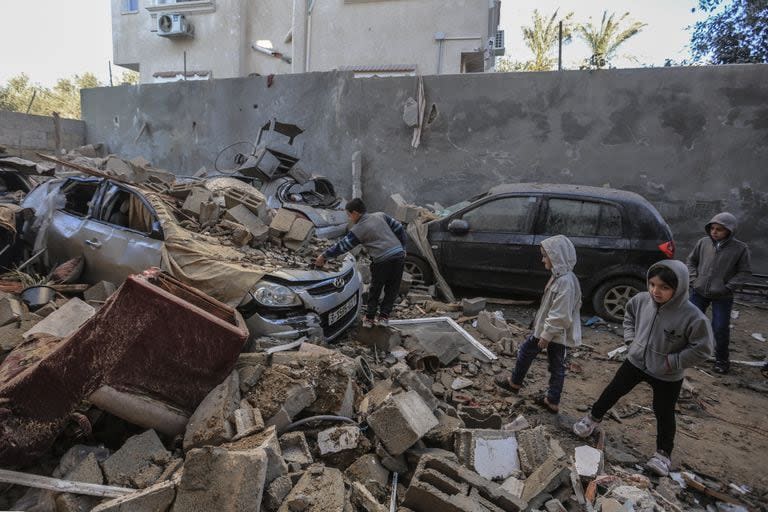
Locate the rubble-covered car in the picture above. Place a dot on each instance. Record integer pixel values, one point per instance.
(122, 229)
(272, 167)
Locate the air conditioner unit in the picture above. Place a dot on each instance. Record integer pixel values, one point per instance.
(498, 43)
(174, 25)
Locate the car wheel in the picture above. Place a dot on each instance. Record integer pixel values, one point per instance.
(419, 269)
(610, 299)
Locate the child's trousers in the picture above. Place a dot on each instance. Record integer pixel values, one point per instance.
(385, 275)
(556, 356)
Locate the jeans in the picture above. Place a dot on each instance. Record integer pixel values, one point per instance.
(556, 356)
(385, 275)
(665, 396)
(721, 322)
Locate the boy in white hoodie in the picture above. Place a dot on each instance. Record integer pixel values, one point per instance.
(556, 325)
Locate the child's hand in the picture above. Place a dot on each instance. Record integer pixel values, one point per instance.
(543, 344)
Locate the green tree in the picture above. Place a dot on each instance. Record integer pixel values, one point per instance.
(604, 39)
(127, 77)
(542, 38)
(734, 33)
(21, 95)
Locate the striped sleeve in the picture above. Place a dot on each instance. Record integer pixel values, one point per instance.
(396, 228)
(346, 244)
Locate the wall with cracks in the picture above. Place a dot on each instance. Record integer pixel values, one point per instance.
(694, 141)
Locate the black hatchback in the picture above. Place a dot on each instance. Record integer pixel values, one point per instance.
(491, 242)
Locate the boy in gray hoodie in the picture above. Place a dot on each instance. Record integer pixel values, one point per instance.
(719, 264)
(665, 334)
(556, 325)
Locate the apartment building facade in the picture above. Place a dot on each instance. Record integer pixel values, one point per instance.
(168, 40)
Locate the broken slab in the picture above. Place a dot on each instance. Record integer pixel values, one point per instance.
(369, 471)
(533, 448)
(493, 326)
(490, 453)
(99, 292)
(195, 200)
(295, 449)
(221, 480)
(441, 485)
(86, 470)
(156, 498)
(268, 442)
(209, 213)
(276, 492)
(442, 434)
(64, 321)
(10, 311)
(402, 420)
(138, 463)
(320, 489)
(247, 420)
(338, 439)
(210, 424)
(363, 500)
(472, 307)
(549, 475)
(588, 461)
(420, 383)
(245, 217)
(383, 338)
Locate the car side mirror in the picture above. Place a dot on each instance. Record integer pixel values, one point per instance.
(157, 231)
(458, 227)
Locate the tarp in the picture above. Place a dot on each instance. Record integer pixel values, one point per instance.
(154, 338)
(418, 231)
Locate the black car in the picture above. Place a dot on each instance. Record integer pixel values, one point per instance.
(491, 242)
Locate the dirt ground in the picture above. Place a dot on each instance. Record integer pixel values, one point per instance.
(722, 426)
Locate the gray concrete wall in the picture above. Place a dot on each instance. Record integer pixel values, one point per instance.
(692, 140)
(24, 135)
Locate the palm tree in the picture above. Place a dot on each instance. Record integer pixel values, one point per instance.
(605, 39)
(541, 39)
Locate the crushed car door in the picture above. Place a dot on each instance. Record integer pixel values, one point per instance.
(497, 251)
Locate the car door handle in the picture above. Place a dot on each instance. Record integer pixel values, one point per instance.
(93, 243)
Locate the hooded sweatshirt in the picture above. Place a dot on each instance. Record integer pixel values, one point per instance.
(719, 268)
(557, 320)
(665, 339)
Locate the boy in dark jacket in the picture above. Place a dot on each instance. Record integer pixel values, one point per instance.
(384, 239)
(666, 334)
(718, 265)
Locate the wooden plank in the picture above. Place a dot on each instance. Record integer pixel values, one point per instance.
(69, 288)
(59, 485)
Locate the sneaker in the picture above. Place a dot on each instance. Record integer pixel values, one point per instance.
(383, 321)
(367, 322)
(721, 367)
(585, 426)
(658, 465)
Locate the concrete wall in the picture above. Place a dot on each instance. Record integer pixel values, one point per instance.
(692, 140)
(337, 34)
(23, 134)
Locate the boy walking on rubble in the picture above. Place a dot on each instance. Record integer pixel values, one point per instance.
(665, 334)
(556, 325)
(718, 265)
(384, 239)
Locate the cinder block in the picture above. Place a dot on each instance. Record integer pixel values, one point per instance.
(194, 201)
(369, 471)
(420, 383)
(299, 235)
(338, 439)
(295, 449)
(321, 489)
(492, 327)
(243, 216)
(548, 475)
(269, 443)
(209, 213)
(252, 199)
(210, 423)
(180, 190)
(472, 307)
(401, 421)
(139, 461)
(439, 484)
(533, 448)
(282, 222)
(491, 453)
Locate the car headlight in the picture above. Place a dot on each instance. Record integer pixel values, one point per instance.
(273, 294)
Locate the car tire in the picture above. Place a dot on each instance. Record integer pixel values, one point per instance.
(419, 270)
(610, 298)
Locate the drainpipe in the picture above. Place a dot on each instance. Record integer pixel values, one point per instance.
(310, 6)
(299, 35)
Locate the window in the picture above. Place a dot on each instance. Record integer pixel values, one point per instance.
(126, 209)
(79, 196)
(130, 6)
(582, 218)
(508, 214)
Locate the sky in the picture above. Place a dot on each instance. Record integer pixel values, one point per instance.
(52, 39)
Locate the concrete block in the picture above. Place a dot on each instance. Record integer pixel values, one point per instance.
(363, 500)
(533, 448)
(247, 421)
(491, 453)
(99, 292)
(300, 234)
(588, 461)
(442, 434)
(156, 498)
(297, 398)
(321, 489)
(369, 471)
(209, 213)
(87, 470)
(419, 383)
(405, 283)
(472, 307)
(376, 396)
(269, 443)
(181, 190)
(295, 449)
(222, 480)
(282, 222)
(383, 338)
(276, 492)
(245, 217)
(492, 326)
(338, 439)
(10, 311)
(138, 462)
(547, 476)
(401, 421)
(195, 199)
(513, 486)
(251, 199)
(394, 463)
(439, 484)
(210, 424)
(64, 321)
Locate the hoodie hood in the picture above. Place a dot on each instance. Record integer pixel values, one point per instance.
(726, 219)
(561, 253)
(681, 272)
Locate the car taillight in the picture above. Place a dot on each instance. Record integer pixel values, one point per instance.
(668, 248)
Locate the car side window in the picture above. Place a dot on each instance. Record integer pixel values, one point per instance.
(572, 217)
(79, 197)
(507, 214)
(125, 209)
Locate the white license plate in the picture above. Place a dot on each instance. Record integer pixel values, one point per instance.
(336, 315)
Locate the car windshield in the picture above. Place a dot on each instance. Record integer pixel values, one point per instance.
(458, 206)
